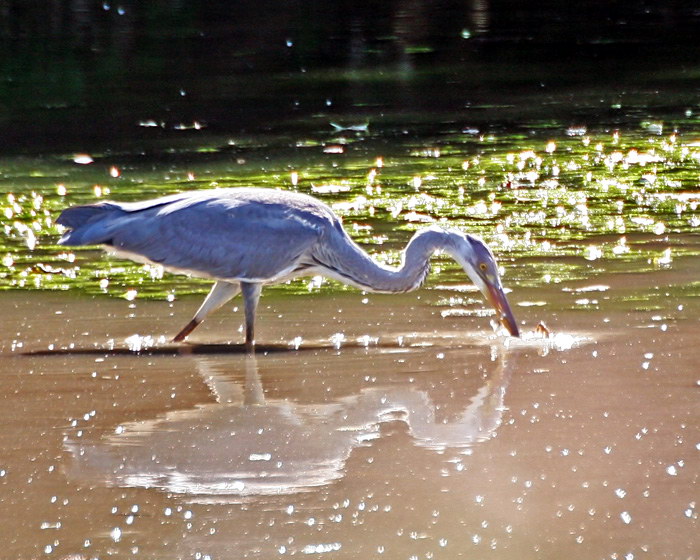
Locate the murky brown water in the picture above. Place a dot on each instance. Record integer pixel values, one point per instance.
(440, 440)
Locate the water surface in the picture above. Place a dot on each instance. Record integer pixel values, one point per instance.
(423, 434)
(365, 426)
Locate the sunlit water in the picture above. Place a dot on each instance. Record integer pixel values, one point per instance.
(366, 426)
(395, 430)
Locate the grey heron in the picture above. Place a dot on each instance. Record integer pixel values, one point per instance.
(245, 238)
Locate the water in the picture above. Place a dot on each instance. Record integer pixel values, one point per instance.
(366, 425)
(439, 439)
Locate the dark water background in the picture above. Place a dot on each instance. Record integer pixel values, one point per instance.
(81, 74)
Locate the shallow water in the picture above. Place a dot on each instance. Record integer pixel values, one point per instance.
(366, 426)
(416, 434)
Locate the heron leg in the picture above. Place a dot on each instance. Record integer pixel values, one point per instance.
(251, 296)
(220, 293)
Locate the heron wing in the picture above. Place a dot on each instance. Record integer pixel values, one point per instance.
(243, 242)
(220, 236)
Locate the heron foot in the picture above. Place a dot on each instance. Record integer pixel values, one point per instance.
(184, 333)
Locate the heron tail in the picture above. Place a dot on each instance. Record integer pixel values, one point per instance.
(86, 223)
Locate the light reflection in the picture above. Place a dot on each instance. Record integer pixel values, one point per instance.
(247, 444)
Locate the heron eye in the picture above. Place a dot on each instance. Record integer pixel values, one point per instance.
(483, 267)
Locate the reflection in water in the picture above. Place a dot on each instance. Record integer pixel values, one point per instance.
(247, 445)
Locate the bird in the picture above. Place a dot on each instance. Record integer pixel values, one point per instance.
(244, 238)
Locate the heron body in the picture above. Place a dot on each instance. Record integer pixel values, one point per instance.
(245, 238)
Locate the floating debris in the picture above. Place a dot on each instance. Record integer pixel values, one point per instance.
(543, 330)
(83, 159)
(352, 127)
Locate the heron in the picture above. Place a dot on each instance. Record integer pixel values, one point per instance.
(245, 238)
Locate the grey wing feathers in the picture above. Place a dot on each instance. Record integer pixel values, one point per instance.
(92, 223)
(216, 236)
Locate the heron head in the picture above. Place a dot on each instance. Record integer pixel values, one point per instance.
(478, 262)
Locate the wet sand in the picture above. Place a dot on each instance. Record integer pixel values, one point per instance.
(421, 434)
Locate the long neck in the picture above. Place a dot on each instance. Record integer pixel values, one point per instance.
(343, 260)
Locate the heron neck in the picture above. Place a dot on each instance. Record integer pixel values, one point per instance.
(349, 263)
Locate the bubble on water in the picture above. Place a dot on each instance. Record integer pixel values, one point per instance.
(322, 548)
(296, 342)
(337, 339)
(136, 342)
(260, 457)
(666, 257)
(366, 340)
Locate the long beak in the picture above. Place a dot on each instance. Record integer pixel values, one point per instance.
(499, 301)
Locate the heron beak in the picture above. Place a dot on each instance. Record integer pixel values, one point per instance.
(500, 303)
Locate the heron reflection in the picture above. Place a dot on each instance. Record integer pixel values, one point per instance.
(247, 444)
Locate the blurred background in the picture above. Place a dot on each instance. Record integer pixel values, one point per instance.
(84, 73)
